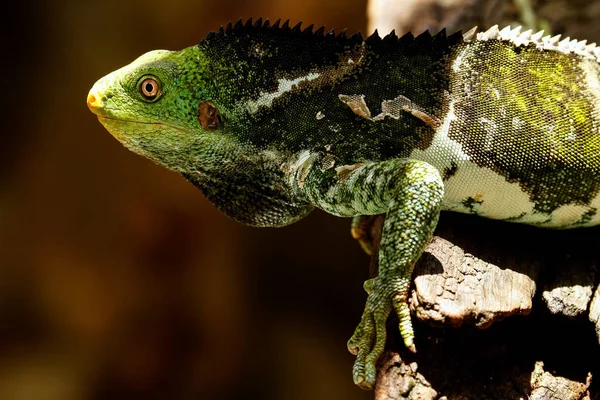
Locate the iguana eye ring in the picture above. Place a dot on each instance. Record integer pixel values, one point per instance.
(150, 88)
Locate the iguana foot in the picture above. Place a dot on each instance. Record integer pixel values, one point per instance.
(361, 231)
(368, 340)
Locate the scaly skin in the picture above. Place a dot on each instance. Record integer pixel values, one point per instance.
(271, 122)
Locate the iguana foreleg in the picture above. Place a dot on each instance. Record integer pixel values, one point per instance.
(410, 193)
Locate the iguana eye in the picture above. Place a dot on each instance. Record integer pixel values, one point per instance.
(150, 88)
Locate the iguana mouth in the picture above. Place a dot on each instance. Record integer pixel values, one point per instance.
(131, 121)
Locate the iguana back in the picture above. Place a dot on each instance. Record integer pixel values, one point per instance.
(510, 119)
(519, 139)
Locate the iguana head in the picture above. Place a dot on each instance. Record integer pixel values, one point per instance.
(156, 107)
(165, 106)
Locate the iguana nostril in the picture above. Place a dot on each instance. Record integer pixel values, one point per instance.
(92, 101)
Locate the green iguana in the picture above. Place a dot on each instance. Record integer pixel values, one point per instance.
(271, 122)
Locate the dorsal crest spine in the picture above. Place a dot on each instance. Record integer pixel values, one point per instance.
(247, 27)
(518, 38)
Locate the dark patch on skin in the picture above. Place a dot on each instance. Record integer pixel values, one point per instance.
(470, 203)
(515, 219)
(587, 216)
(529, 116)
(542, 223)
(450, 171)
(426, 136)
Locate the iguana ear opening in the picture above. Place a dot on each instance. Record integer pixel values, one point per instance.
(209, 117)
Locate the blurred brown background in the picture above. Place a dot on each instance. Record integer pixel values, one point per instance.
(118, 280)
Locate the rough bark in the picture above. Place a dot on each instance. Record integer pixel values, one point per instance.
(453, 287)
(545, 386)
(477, 272)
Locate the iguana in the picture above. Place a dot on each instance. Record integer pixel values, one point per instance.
(272, 121)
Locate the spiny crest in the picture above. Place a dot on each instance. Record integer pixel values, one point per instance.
(423, 40)
(260, 27)
(547, 42)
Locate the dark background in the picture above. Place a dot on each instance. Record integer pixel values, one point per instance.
(118, 280)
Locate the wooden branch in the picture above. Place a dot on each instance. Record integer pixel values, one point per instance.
(546, 386)
(477, 272)
(454, 287)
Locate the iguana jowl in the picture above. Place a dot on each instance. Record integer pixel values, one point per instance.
(271, 121)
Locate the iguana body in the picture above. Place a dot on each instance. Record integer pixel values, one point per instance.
(271, 122)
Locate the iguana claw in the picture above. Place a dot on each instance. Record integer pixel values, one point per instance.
(368, 340)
